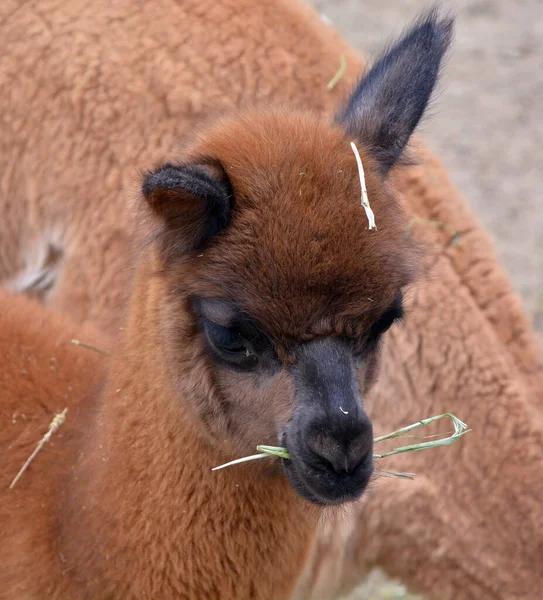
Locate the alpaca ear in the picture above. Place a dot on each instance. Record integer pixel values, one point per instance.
(390, 99)
(193, 203)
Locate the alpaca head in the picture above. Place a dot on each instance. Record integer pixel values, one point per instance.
(277, 293)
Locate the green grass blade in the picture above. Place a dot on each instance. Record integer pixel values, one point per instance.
(278, 451)
(460, 429)
(424, 446)
(394, 474)
(457, 423)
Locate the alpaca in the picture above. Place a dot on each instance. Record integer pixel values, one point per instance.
(97, 116)
(240, 329)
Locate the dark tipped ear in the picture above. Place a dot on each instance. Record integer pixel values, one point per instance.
(390, 100)
(193, 203)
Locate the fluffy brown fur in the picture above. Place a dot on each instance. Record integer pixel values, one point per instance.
(42, 374)
(95, 122)
(97, 92)
(129, 506)
(122, 503)
(258, 213)
(279, 164)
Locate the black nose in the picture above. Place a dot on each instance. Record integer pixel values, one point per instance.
(341, 443)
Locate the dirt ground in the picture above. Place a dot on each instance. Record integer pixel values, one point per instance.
(486, 124)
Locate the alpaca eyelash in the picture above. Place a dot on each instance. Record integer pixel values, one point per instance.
(224, 338)
(384, 323)
(229, 346)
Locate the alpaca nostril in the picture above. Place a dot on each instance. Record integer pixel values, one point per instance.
(340, 445)
(364, 460)
(333, 464)
(341, 460)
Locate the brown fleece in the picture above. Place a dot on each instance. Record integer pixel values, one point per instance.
(134, 509)
(122, 502)
(95, 92)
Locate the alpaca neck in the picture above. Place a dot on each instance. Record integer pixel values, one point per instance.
(161, 522)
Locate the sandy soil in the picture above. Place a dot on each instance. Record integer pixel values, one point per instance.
(486, 122)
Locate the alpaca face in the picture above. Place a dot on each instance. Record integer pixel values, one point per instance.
(278, 292)
(281, 312)
(322, 422)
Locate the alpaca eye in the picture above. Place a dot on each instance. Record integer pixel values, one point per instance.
(229, 344)
(224, 339)
(394, 313)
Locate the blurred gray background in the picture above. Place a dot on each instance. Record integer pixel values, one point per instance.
(486, 120)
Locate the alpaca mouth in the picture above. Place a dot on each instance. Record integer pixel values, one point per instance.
(320, 485)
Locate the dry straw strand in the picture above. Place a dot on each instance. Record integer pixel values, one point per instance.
(242, 460)
(339, 75)
(54, 426)
(364, 200)
(90, 347)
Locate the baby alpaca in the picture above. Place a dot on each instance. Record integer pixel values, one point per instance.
(241, 329)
